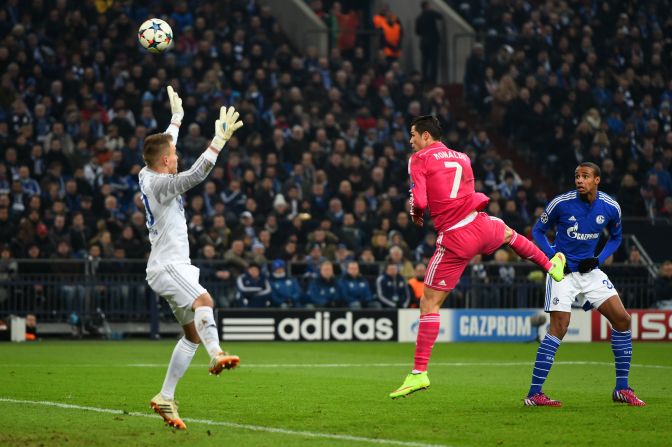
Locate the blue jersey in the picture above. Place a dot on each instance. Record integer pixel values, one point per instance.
(578, 225)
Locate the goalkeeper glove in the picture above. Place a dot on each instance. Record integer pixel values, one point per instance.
(588, 264)
(175, 106)
(225, 126)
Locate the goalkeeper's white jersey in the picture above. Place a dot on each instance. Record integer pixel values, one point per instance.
(164, 209)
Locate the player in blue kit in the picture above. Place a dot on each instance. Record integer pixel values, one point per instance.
(579, 218)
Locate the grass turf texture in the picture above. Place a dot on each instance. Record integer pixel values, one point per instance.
(467, 405)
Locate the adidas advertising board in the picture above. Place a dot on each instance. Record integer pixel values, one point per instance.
(308, 325)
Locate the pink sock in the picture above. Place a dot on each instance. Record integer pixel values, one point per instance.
(527, 250)
(428, 330)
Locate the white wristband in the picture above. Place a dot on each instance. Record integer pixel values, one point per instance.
(177, 118)
(218, 142)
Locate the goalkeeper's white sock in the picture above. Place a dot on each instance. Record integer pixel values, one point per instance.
(182, 354)
(204, 320)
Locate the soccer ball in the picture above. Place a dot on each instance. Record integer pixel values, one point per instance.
(155, 35)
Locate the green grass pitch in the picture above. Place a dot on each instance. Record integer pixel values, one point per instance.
(328, 394)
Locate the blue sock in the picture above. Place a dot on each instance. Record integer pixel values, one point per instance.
(621, 345)
(542, 365)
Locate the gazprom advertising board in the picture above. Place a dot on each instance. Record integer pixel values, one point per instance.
(494, 325)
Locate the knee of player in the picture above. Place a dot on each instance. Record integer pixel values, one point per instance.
(623, 322)
(194, 338)
(203, 300)
(561, 331)
(559, 327)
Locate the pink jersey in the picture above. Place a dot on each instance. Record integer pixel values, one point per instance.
(442, 179)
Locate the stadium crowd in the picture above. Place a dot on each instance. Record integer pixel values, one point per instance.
(573, 81)
(318, 172)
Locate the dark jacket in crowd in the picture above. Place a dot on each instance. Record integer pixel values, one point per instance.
(252, 292)
(393, 291)
(323, 292)
(285, 290)
(354, 289)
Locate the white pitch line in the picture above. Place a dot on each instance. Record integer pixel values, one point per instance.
(325, 365)
(388, 365)
(261, 428)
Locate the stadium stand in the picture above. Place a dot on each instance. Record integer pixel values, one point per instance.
(319, 169)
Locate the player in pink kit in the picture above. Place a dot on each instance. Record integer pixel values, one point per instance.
(442, 179)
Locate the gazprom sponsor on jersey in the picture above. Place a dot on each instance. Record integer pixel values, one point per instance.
(573, 232)
(494, 325)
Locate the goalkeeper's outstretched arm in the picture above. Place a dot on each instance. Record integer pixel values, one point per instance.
(167, 186)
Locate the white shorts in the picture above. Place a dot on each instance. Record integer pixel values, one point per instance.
(593, 287)
(178, 284)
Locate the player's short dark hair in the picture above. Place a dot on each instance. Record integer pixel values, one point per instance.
(589, 164)
(155, 146)
(427, 123)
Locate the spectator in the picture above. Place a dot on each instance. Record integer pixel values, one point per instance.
(342, 256)
(323, 290)
(286, 291)
(193, 144)
(343, 28)
(479, 294)
(58, 232)
(355, 290)
(629, 197)
(68, 270)
(405, 267)
(253, 288)
(392, 289)
(506, 294)
(425, 250)
(666, 210)
(417, 283)
(663, 286)
(7, 226)
(257, 255)
(314, 260)
(132, 246)
(392, 33)
(234, 258)
(427, 29)
(214, 276)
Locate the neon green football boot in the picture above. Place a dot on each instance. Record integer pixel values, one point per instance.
(413, 383)
(557, 272)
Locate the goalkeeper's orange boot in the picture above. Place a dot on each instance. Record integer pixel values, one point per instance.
(167, 409)
(222, 361)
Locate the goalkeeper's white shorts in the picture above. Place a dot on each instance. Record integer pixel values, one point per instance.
(178, 284)
(590, 290)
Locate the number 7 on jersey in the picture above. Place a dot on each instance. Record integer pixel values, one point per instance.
(458, 176)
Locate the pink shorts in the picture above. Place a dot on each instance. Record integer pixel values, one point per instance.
(456, 247)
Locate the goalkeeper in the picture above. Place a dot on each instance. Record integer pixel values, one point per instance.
(169, 270)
